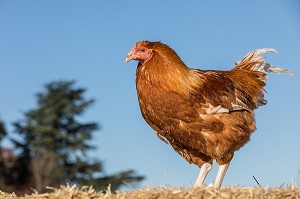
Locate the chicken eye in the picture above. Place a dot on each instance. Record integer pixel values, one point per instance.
(142, 49)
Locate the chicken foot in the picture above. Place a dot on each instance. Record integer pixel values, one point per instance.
(205, 168)
(220, 175)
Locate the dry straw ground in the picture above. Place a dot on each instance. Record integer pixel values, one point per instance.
(66, 192)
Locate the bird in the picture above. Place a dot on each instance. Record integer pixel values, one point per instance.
(205, 115)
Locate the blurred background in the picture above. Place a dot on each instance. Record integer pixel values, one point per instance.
(84, 43)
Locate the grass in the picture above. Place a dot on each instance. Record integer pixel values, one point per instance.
(73, 192)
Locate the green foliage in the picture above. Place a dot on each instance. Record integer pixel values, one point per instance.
(2, 130)
(55, 121)
(2, 173)
(55, 141)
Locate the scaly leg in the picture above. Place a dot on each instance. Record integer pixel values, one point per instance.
(205, 168)
(220, 175)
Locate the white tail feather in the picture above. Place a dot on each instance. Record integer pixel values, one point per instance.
(262, 65)
(266, 67)
(280, 70)
(265, 50)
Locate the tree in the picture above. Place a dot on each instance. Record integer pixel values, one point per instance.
(2, 130)
(56, 142)
(2, 171)
(13, 171)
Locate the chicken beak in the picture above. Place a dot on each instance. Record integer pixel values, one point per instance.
(129, 57)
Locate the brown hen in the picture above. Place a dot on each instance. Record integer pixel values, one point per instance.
(204, 115)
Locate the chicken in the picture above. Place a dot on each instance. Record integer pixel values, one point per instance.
(204, 115)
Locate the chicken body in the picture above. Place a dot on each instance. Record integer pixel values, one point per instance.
(203, 115)
(197, 129)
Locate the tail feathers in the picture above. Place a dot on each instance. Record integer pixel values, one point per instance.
(250, 75)
(254, 61)
(279, 70)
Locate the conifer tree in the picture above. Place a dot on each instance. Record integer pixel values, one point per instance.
(56, 141)
(2, 171)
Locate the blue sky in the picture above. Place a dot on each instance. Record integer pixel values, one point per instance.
(87, 41)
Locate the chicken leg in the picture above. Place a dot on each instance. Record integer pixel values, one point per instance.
(220, 175)
(205, 168)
